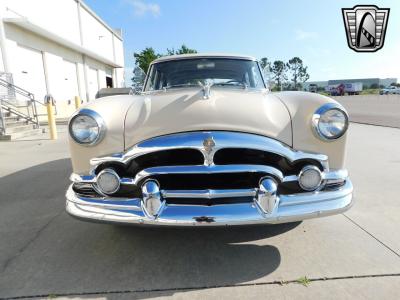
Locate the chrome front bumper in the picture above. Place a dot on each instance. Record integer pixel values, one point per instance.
(334, 196)
(289, 208)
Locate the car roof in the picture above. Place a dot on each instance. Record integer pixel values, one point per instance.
(203, 55)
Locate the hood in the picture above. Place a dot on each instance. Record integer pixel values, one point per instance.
(179, 110)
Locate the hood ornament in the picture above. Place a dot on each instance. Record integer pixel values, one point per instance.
(208, 150)
(206, 87)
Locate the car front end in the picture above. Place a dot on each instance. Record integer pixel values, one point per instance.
(192, 156)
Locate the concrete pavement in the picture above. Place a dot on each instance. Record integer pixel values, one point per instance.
(43, 251)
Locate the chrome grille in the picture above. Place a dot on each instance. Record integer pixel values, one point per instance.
(199, 161)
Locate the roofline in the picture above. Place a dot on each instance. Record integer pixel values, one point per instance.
(93, 14)
(25, 24)
(202, 55)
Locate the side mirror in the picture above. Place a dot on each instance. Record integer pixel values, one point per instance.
(138, 79)
(267, 74)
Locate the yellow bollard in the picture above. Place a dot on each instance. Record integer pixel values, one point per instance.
(77, 102)
(51, 118)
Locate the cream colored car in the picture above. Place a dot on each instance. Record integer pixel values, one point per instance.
(206, 143)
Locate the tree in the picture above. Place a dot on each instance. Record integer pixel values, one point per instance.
(279, 69)
(145, 57)
(299, 72)
(182, 50)
(265, 64)
(303, 75)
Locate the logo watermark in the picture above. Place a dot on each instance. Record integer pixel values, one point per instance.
(365, 27)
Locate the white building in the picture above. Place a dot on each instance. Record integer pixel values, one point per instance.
(59, 47)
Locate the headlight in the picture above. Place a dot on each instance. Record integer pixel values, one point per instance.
(330, 121)
(87, 127)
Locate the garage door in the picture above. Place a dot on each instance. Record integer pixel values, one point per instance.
(70, 81)
(29, 72)
(93, 83)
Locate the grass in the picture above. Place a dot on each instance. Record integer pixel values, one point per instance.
(370, 92)
(303, 281)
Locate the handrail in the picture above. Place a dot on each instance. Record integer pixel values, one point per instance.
(32, 117)
(2, 121)
(16, 88)
(18, 113)
(13, 108)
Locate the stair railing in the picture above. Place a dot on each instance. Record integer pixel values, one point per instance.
(31, 115)
(2, 121)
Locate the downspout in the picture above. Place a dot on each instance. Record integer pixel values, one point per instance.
(114, 73)
(85, 77)
(6, 67)
(3, 45)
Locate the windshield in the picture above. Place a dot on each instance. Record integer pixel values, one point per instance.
(193, 72)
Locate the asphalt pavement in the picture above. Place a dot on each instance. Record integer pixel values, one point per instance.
(46, 253)
(379, 110)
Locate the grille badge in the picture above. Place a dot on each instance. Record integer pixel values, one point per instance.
(208, 150)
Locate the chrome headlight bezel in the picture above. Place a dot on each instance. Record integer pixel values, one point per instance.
(320, 112)
(94, 116)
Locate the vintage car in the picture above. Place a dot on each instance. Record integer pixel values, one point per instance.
(206, 143)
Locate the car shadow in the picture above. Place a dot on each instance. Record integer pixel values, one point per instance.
(45, 251)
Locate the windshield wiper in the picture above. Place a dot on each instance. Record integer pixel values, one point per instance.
(179, 85)
(241, 84)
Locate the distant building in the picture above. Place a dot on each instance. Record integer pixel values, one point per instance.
(367, 82)
(388, 81)
(59, 47)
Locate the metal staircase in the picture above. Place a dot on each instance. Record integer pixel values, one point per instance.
(18, 111)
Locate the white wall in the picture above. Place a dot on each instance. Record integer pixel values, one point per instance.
(61, 17)
(95, 36)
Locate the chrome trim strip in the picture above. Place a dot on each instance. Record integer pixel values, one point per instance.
(104, 201)
(331, 177)
(214, 169)
(222, 140)
(200, 56)
(290, 178)
(209, 194)
(314, 197)
(76, 178)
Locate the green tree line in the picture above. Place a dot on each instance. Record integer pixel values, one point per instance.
(145, 57)
(279, 70)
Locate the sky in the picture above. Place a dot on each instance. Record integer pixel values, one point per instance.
(278, 30)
